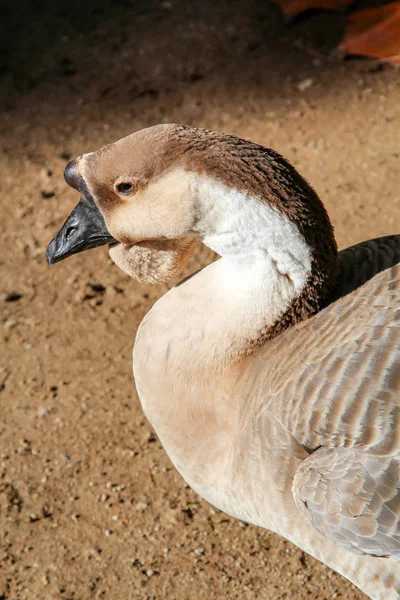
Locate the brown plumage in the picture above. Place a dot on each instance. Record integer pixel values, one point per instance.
(272, 376)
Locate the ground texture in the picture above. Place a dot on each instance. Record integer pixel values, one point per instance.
(90, 506)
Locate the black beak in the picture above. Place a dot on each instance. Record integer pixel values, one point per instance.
(85, 227)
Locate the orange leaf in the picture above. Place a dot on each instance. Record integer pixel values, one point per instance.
(292, 8)
(374, 32)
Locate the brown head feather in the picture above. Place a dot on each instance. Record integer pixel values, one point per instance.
(237, 163)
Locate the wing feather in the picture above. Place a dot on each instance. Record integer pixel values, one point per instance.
(335, 378)
(353, 498)
(333, 382)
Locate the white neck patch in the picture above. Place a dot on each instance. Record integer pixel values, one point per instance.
(235, 225)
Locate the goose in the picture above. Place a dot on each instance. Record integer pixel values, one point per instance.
(272, 375)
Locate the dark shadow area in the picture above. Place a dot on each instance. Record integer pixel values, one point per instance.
(103, 57)
(134, 42)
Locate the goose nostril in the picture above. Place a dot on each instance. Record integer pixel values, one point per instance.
(70, 231)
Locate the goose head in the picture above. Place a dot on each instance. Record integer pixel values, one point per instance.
(150, 195)
(135, 197)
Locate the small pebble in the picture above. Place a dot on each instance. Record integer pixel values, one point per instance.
(10, 323)
(141, 506)
(33, 517)
(302, 86)
(43, 411)
(47, 511)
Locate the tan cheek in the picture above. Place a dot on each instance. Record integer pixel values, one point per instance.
(163, 209)
(130, 223)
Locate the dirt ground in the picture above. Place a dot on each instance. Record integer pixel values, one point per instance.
(90, 506)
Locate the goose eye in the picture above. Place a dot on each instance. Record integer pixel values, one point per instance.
(125, 187)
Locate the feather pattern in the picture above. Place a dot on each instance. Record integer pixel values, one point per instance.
(340, 383)
(353, 498)
(272, 376)
(334, 383)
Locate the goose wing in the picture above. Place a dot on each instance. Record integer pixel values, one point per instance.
(333, 382)
(353, 498)
(361, 262)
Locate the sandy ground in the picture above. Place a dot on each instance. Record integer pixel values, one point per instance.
(90, 506)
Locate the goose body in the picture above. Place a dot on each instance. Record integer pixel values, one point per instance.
(272, 376)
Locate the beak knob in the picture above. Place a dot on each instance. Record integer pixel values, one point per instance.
(72, 176)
